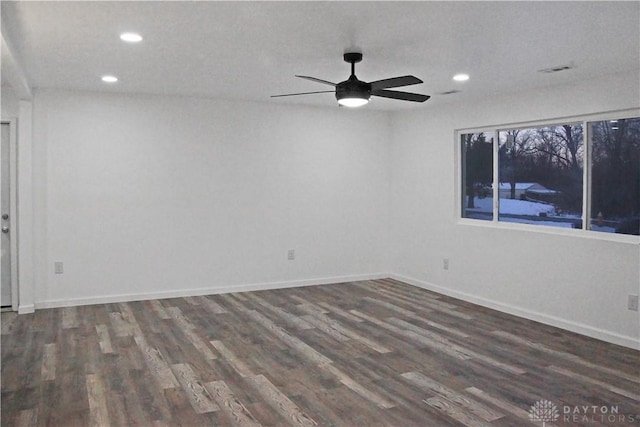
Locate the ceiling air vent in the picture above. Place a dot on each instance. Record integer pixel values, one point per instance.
(449, 92)
(556, 69)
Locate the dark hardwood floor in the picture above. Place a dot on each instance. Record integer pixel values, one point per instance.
(371, 353)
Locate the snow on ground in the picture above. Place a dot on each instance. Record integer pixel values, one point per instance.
(513, 207)
(525, 207)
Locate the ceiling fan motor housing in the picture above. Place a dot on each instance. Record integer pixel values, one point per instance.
(353, 88)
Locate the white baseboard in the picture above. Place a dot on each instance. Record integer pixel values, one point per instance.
(26, 309)
(178, 293)
(557, 322)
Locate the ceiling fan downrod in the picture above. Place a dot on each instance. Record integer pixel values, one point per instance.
(353, 58)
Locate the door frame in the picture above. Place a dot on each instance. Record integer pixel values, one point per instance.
(13, 209)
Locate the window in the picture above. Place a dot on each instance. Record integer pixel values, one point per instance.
(615, 176)
(477, 175)
(540, 175)
(555, 175)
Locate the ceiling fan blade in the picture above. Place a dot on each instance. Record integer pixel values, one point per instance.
(302, 93)
(395, 82)
(313, 79)
(404, 96)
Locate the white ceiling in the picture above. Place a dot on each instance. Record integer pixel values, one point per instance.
(251, 50)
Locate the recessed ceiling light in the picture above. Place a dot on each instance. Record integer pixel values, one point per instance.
(461, 77)
(130, 37)
(109, 79)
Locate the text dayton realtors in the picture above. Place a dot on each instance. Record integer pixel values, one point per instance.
(593, 413)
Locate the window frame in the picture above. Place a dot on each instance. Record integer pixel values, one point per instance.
(583, 120)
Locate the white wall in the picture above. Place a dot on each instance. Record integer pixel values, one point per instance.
(574, 282)
(9, 102)
(149, 196)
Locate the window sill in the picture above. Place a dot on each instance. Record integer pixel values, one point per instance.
(557, 231)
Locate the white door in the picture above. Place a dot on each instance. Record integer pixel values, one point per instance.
(5, 219)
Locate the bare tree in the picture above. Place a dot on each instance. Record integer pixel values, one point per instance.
(478, 159)
(518, 146)
(562, 145)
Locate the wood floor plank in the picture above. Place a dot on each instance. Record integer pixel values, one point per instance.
(104, 339)
(453, 396)
(311, 309)
(182, 410)
(522, 415)
(314, 403)
(340, 312)
(240, 367)
(197, 394)
(69, 317)
(159, 309)
(242, 296)
(281, 403)
(124, 404)
(188, 330)
(346, 332)
(49, 363)
(233, 302)
(391, 306)
(211, 305)
(304, 349)
(455, 412)
(325, 328)
(304, 302)
(27, 418)
(180, 319)
(230, 405)
(158, 367)
(120, 325)
(69, 404)
(97, 401)
(7, 322)
(358, 388)
(292, 320)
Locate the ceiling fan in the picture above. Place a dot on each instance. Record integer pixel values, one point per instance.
(355, 93)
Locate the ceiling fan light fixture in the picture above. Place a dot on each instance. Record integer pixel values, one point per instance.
(353, 102)
(131, 37)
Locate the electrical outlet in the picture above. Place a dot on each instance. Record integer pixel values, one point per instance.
(633, 303)
(291, 254)
(445, 263)
(58, 267)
